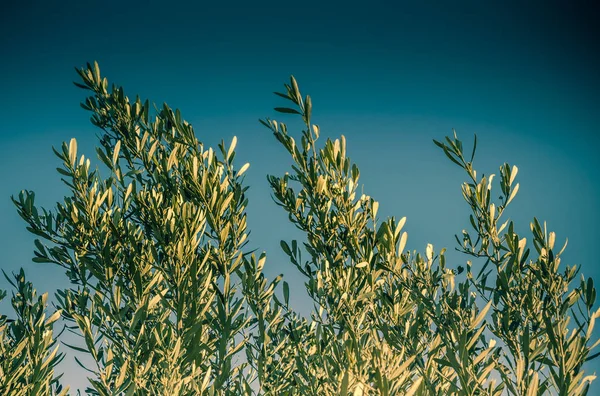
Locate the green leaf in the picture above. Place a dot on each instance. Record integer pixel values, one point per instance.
(451, 157)
(286, 248)
(308, 108)
(481, 315)
(439, 144)
(243, 169)
(344, 384)
(115, 156)
(73, 151)
(76, 348)
(513, 193)
(286, 110)
(283, 96)
(474, 148)
(286, 293)
(295, 88)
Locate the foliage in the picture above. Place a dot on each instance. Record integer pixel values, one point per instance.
(28, 350)
(167, 298)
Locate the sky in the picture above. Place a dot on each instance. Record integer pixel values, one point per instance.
(390, 76)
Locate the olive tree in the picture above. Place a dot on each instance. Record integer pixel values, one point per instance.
(28, 350)
(168, 298)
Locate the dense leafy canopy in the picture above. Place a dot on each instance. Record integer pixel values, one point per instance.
(168, 299)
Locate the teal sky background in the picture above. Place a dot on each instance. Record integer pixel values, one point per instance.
(390, 76)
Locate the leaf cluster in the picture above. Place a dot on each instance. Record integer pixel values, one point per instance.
(166, 297)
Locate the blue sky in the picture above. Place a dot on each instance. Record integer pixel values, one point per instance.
(390, 76)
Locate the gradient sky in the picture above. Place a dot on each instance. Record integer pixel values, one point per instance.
(390, 76)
